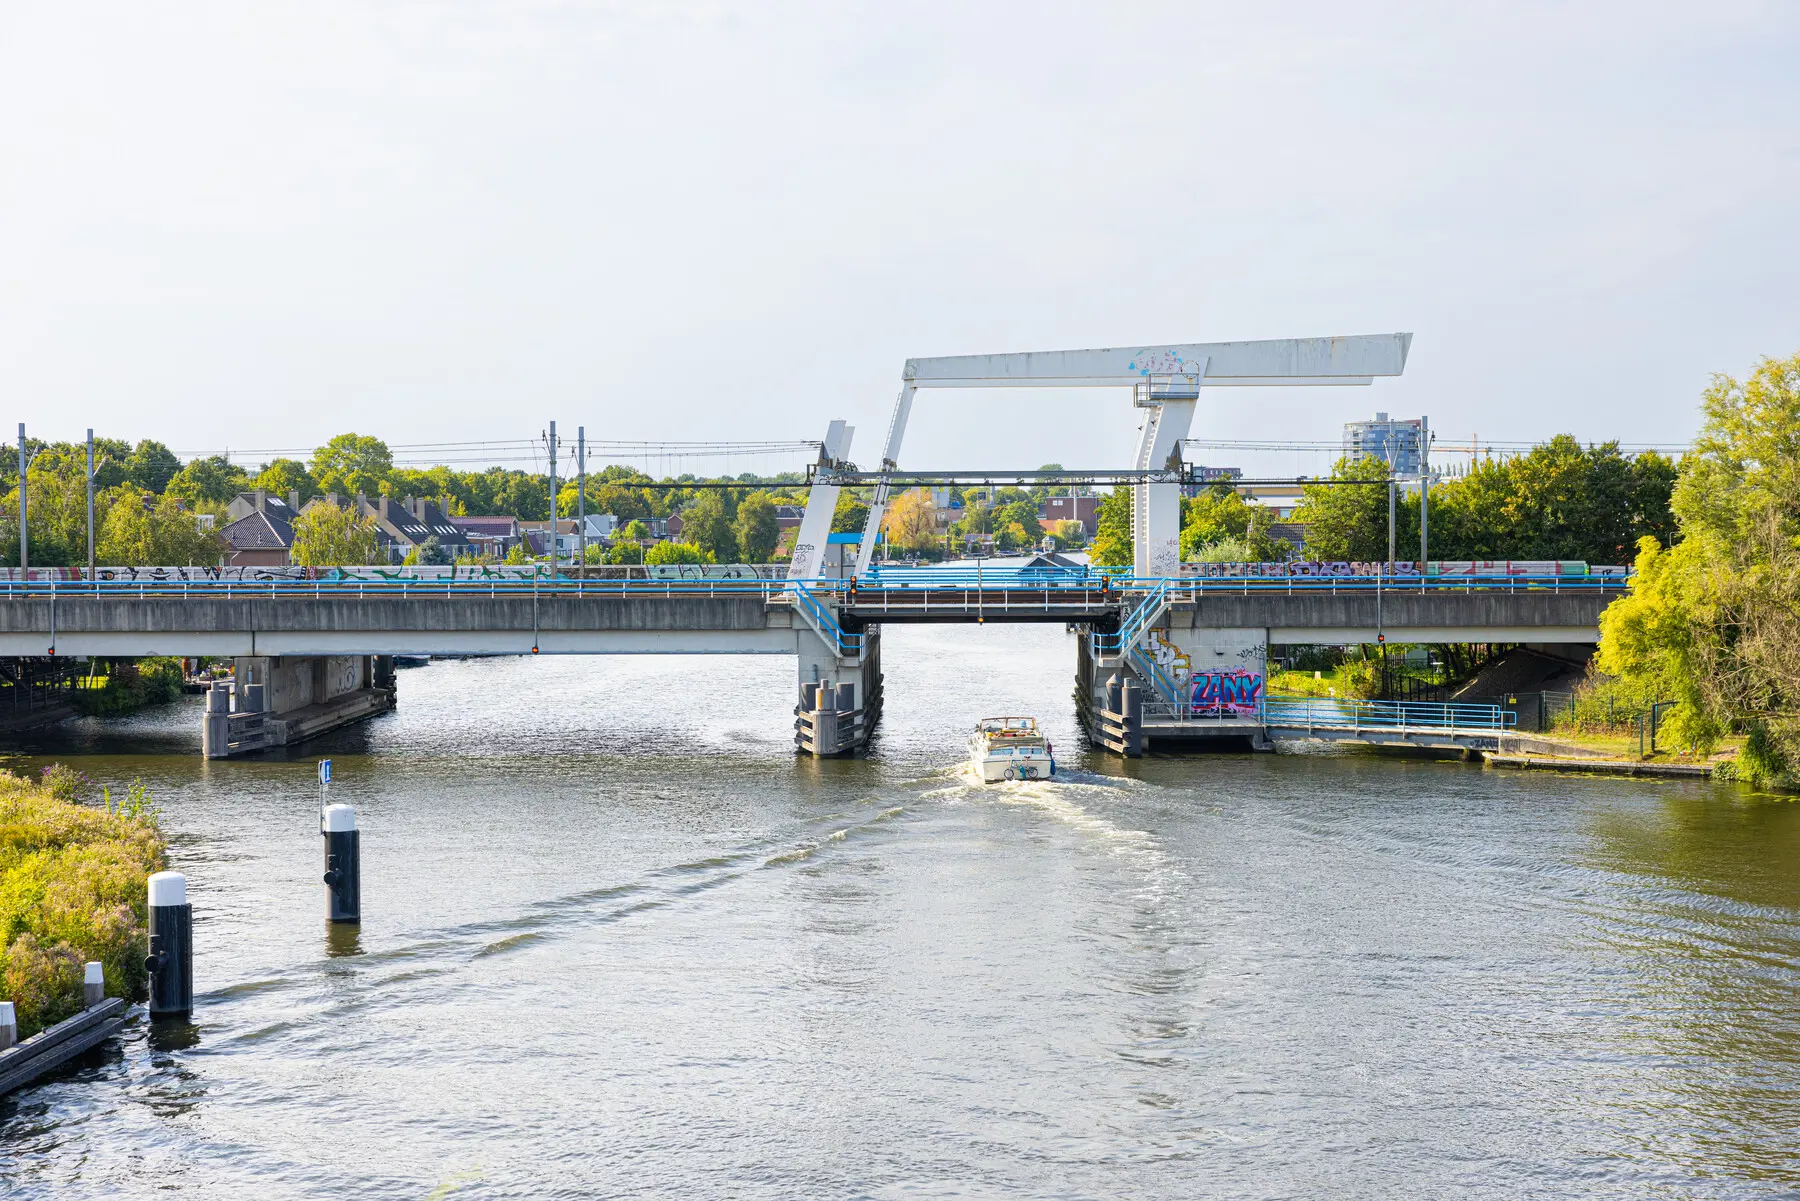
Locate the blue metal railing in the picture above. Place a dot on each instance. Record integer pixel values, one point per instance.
(1165, 687)
(846, 644)
(1133, 626)
(1023, 582)
(1332, 713)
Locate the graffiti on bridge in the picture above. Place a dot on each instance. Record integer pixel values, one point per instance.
(1229, 692)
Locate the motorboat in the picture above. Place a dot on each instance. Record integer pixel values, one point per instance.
(1010, 748)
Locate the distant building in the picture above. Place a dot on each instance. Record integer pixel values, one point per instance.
(408, 524)
(492, 536)
(1206, 477)
(788, 517)
(259, 530)
(1085, 509)
(1397, 443)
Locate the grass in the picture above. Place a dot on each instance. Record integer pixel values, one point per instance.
(71, 890)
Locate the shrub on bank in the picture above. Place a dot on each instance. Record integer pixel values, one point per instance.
(71, 890)
(130, 686)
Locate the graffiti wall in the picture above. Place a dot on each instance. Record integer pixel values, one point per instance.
(1309, 569)
(461, 571)
(1227, 692)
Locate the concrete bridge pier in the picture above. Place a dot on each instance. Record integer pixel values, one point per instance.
(280, 700)
(840, 697)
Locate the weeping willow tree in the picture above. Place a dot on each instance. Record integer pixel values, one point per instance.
(1714, 622)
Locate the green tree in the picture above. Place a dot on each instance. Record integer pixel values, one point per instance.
(1020, 512)
(287, 475)
(143, 530)
(851, 514)
(626, 504)
(677, 552)
(1350, 521)
(1220, 526)
(757, 529)
(328, 535)
(353, 463)
(706, 524)
(151, 466)
(210, 481)
(1714, 623)
(1560, 501)
(1112, 534)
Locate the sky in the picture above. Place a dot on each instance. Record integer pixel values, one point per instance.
(249, 227)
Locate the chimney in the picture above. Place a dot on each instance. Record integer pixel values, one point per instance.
(262, 499)
(294, 499)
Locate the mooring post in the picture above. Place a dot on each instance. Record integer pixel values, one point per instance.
(1133, 696)
(9, 1025)
(215, 730)
(343, 865)
(825, 720)
(171, 960)
(93, 985)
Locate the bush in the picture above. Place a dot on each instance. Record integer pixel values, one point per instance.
(131, 685)
(71, 890)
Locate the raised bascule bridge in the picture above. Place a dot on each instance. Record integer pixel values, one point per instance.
(1164, 657)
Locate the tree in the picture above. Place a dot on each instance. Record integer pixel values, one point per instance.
(1020, 511)
(677, 552)
(1220, 526)
(1714, 623)
(429, 553)
(353, 463)
(143, 530)
(284, 476)
(757, 529)
(1350, 521)
(328, 535)
(1112, 530)
(851, 514)
(209, 481)
(622, 502)
(910, 522)
(1559, 501)
(151, 466)
(706, 524)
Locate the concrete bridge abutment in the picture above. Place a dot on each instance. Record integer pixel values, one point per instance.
(840, 696)
(281, 700)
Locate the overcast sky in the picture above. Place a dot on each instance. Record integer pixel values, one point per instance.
(253, 225)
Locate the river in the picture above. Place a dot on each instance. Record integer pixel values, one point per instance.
(619, 942)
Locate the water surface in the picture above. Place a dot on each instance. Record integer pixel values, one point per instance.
(619, 941)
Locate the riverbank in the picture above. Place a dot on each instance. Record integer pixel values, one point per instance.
(71, 890)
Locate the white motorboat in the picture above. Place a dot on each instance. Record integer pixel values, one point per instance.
(1010, 748)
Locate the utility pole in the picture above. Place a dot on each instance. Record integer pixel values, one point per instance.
(581, 496)
(24, 524)
(1393, 494)
(90, 503)
(1424, 495)
(552, 443)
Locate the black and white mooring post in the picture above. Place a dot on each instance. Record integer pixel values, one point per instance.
(343, 865)
(93, 984)
(171, 960)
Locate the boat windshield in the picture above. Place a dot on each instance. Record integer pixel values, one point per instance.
(1007, 725)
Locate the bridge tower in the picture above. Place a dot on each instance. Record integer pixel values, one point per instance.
(1165, 383)
(840, 670)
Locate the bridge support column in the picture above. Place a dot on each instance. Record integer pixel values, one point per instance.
(282, 700)
(840, 699)
(1197, 685)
